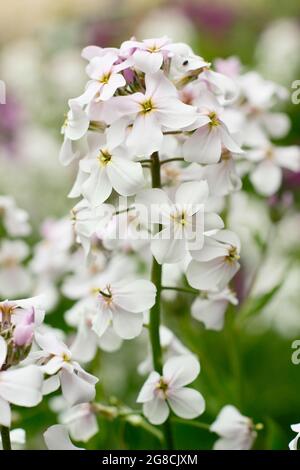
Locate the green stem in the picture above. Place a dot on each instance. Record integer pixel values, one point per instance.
(195, 424)
(186, 290)
(5, 438)
(156, 277)
(169, 160)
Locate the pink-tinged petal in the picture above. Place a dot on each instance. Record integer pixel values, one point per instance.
(146, 135)
(116, 133)
(159, 87)
(92, 89)
(266, 178)
(179, 371)
(186, 403)
(148, 62)
(57, 438)
(76, 390)
(173, 114)
(135, 296)
(125, 176)
(53, 366)
(193, 193)
(204, 146)
(116, 81)
(126, 324)
(22, 386)
(156, 410)
(3, 351)
(49, 343)
(229, 142)
(149, 387)
(168, 249)
(90, 52)
(5, 413)
(51, 384)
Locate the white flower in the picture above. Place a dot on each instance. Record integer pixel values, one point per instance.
(222, 177)
(109, 168)
(158, 110)
(88, 220)
(57, 438)
(205, 145)
(17, 386)
(122, 304)
(15, 220)
(160, 392)
(14, 278)
(56, 360)
(105, 78)
(74, 128)
(267, 174)
(76, 123)
(293, 445)
(171, 346)
(80, 421)
(235, 430)
(184, 222)
(210, 308)
(148, 55)
(86, 341)
(216, 263)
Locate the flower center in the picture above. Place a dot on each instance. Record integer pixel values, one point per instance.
(179, 218)
(106, 294)
(105, 78)
(104, 157)
(147, 106)
(162, 387)
(232, 255)
(153, 48)
(214, 120)
(66, 357)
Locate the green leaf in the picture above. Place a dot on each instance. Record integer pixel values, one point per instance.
(256, 304)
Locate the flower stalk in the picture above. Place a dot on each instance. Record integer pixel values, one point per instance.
(5, 437)
(156, 278)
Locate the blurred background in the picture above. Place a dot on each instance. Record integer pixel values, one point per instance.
(40, 62)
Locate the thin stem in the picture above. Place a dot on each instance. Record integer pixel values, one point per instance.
(174, 159)
(195, 424)
(173, 132)
(187, 290)
(5, 438)
(156, 277)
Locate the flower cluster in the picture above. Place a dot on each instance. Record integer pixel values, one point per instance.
(160, 140)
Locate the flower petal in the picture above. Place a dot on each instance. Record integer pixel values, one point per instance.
(186, 403)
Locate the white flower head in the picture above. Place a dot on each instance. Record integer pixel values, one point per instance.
(160, 392)
(236, 431)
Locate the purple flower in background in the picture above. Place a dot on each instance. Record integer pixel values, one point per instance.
(11, 118)
(210, 16)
